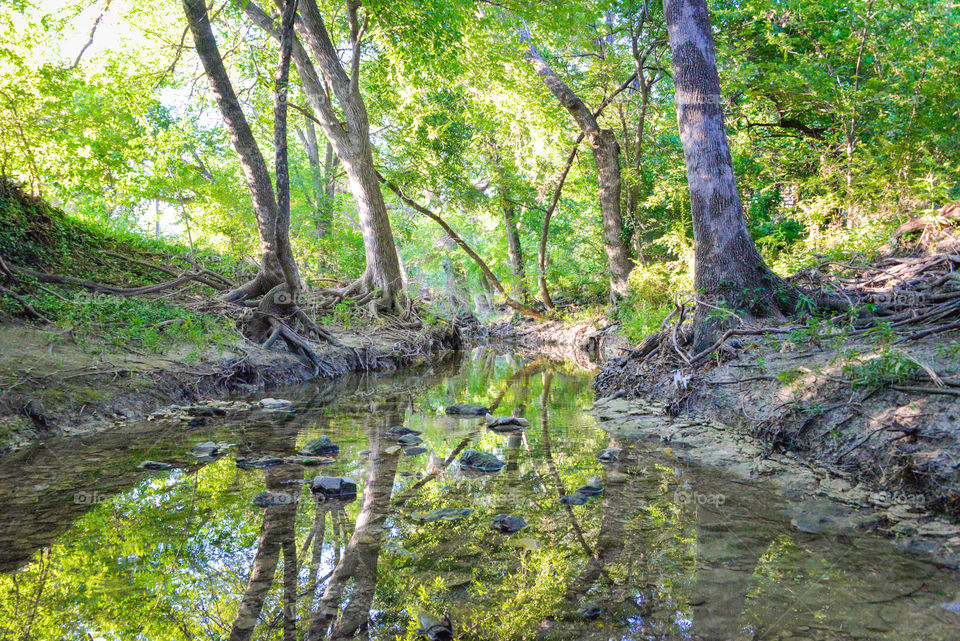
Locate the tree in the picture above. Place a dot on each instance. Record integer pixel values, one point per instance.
(275, 267)
(606, 154)
(349, 134)
(728, 269)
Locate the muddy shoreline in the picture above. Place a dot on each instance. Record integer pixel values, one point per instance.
(53, 390)
(891, 457)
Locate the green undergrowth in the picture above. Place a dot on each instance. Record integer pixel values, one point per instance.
(37, 236)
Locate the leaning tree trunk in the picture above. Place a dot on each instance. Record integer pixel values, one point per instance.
(606, 154)
(254, 167)
(728, 269)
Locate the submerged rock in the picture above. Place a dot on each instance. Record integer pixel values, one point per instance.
(209, 451)
(508, 523)
(334, 487)
(590, 612)
(410, 439)
(609, 455)
(593, 488)
(467, 410)
(154, 465)
(435, 629)
(274, 403)
(310, 460)
(414, 451)
(507, 423)
(205, 410)
(398, 431)
(252, 463)
(443, 514)
(481, 461)
(320, 446)
(266, 499)
(575, 498)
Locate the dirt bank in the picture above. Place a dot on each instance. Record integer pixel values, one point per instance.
(873, 405)
(50, 385)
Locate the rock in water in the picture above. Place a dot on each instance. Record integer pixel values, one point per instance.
(410, 439)
(320, 446)
(399, 431)
(593, 488)
(414, 451)
(334, 487)
(435, 629)
(252, 463)
(482, 461)
(205, 410)
(467, 410)
(274, 403)
(266, 499)
(154, 465)
(444, 514)
(508, 523)
(507, 423)
(609, 455)
(576, 498)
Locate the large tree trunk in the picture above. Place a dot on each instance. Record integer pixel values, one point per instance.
(254, 167)
(352, 146)
(349, 135)
(728, 269)
(606, 154)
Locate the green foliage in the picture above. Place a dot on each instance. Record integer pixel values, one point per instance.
(889, 367)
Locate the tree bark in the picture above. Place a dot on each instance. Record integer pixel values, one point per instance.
(509, 209)
(728, 269)
(254, 167)
(606, 154)
(288, 263)
(349, 136)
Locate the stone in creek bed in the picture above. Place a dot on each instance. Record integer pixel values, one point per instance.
(467, 410)
(320, 446)
(508, 523)
(310, 460)
(414, 451)
(590, 612)
(576, 498)
(443, 514)
(609, 455)
(398, 431)
(504, 421)
(252, 463)
(205, 410)
(334, 487)
(154, 465)
(266, 499)
(593, 488)
(410, 439)
(482, 461)
(209, 451)
(274, 403)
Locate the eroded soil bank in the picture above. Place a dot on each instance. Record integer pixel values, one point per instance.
(868, 415)
(51, 386)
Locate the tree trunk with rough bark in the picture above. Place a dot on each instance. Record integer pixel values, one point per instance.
(251, 160)
(322, 176)
(606, 154)
(728, 269)
(351, 142)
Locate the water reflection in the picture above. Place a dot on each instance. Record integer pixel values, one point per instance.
(186, 555)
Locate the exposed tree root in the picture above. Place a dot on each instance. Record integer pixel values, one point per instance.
(102, 288)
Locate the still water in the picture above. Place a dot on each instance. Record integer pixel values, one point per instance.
(93, 547)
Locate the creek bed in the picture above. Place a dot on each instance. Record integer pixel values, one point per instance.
(93, 547)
